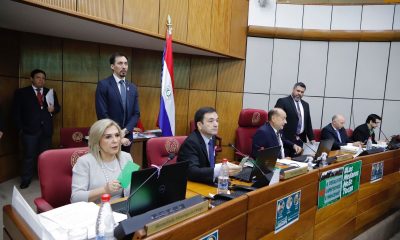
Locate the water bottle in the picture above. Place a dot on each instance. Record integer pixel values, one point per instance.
(223, 178)
(309, 161)
(324, 163)
(105, 220)
(369, 144)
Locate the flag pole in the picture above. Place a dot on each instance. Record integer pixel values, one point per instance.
(169, 25)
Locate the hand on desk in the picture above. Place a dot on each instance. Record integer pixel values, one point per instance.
(297, 149)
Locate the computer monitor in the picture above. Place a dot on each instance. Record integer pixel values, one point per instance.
(161, 189)
(264, 165)
(324, 146)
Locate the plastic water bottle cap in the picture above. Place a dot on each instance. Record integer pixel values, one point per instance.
(105, 197)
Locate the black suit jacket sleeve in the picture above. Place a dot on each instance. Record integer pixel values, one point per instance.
(329, 133)
(361, 133)
(193, 150)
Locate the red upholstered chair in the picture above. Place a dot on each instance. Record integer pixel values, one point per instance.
(349, 132)
(249, 121)
(218, 143)
(73, 137)
(158, 149)
(317, 134)
(55, 177)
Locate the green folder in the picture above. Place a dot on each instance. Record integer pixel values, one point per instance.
(126, 174)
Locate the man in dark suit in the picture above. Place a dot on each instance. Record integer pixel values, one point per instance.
(34, 119)
(366, 130)
(298, 127)
(336, 131)
(117, 99)
(269, 135)
(199, 147)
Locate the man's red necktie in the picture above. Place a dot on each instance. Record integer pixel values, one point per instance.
(39, 97)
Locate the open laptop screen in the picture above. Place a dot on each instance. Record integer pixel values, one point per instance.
(265, 161)
(161, 189)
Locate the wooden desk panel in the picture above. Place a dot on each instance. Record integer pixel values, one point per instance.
(16, 226)
(329, 211)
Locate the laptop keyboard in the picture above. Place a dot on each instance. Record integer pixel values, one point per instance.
(244, 175)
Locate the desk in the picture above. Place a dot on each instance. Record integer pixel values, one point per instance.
(252, 216)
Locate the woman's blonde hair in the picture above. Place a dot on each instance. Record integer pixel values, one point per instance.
(96, 133)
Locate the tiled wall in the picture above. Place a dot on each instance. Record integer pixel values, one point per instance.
(352, 78)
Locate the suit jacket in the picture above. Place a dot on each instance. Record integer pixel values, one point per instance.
(29, 116)
(109, 103)
(289, 131)
(328, 132)
(194, 150)
(265, 137)
(362, 133)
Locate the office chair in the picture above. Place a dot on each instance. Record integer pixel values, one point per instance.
(73, 137)
(159, 149)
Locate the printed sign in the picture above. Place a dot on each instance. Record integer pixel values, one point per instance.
(287, 211)
(351, 178)
(330, 187)
(377, 171)
(211, 236)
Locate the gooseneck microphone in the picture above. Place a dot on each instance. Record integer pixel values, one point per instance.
(305, 144)
(237, 150)
(157, 170)
(380, 130)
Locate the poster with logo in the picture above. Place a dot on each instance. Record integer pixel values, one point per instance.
(351, 178)
(211, 236)
(330, 187)
(377, 171)
(287, 211)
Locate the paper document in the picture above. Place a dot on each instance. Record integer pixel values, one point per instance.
(310, 149)
(126, 174)
(50, 97)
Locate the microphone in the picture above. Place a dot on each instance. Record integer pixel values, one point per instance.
(305, 144)
(157, 170)
(380, 130)
(237, 150)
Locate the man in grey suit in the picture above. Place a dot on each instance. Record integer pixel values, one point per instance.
(298, 127)
(117, 99)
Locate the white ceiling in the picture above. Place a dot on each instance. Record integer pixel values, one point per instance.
(26, 18)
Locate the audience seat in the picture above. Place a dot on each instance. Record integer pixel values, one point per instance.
(73, 137)
(158, 149)
(218, 143)
(349, 133)
(55, 177)
(249, 121)
(317, 134)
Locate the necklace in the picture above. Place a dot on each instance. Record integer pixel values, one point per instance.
(108, 166)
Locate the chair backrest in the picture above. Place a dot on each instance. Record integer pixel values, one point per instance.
(249, 121)
(349, 132)
(317, 134)
(73, 137)
(55, 174)
(158, 149)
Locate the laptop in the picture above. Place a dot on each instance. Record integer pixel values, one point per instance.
(324, 146)
(263, 166)
(148, 193)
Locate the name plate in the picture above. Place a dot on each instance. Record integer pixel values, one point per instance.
(176, 217)
(343, 157)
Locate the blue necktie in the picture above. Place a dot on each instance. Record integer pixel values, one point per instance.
(123, 94)
(211, 153)
(338, 135)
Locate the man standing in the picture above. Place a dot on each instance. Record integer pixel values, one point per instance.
(298, 127)
(199, 147)
(117, 99)
(34, 119)
(269, 135)
(366, 130)
(336, 131)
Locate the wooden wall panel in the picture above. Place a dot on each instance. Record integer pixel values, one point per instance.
(221, 25)
(238, 34)
(9, 141)
(9, 166)
(198, 99)
(42, 52)
(80, 61)
(66, 4)
(181, 98)
(9, 48)
(199, 23)
(230, 75)
(142, 14)
(84, 113)
(181, 70)
(228, 107)
(104, 60)
(149, 101)
(203, 73)
(110, 10)
(178, 10)
(147, 68)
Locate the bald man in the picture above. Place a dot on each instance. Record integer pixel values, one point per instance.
(335, 130)
(270, 135)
